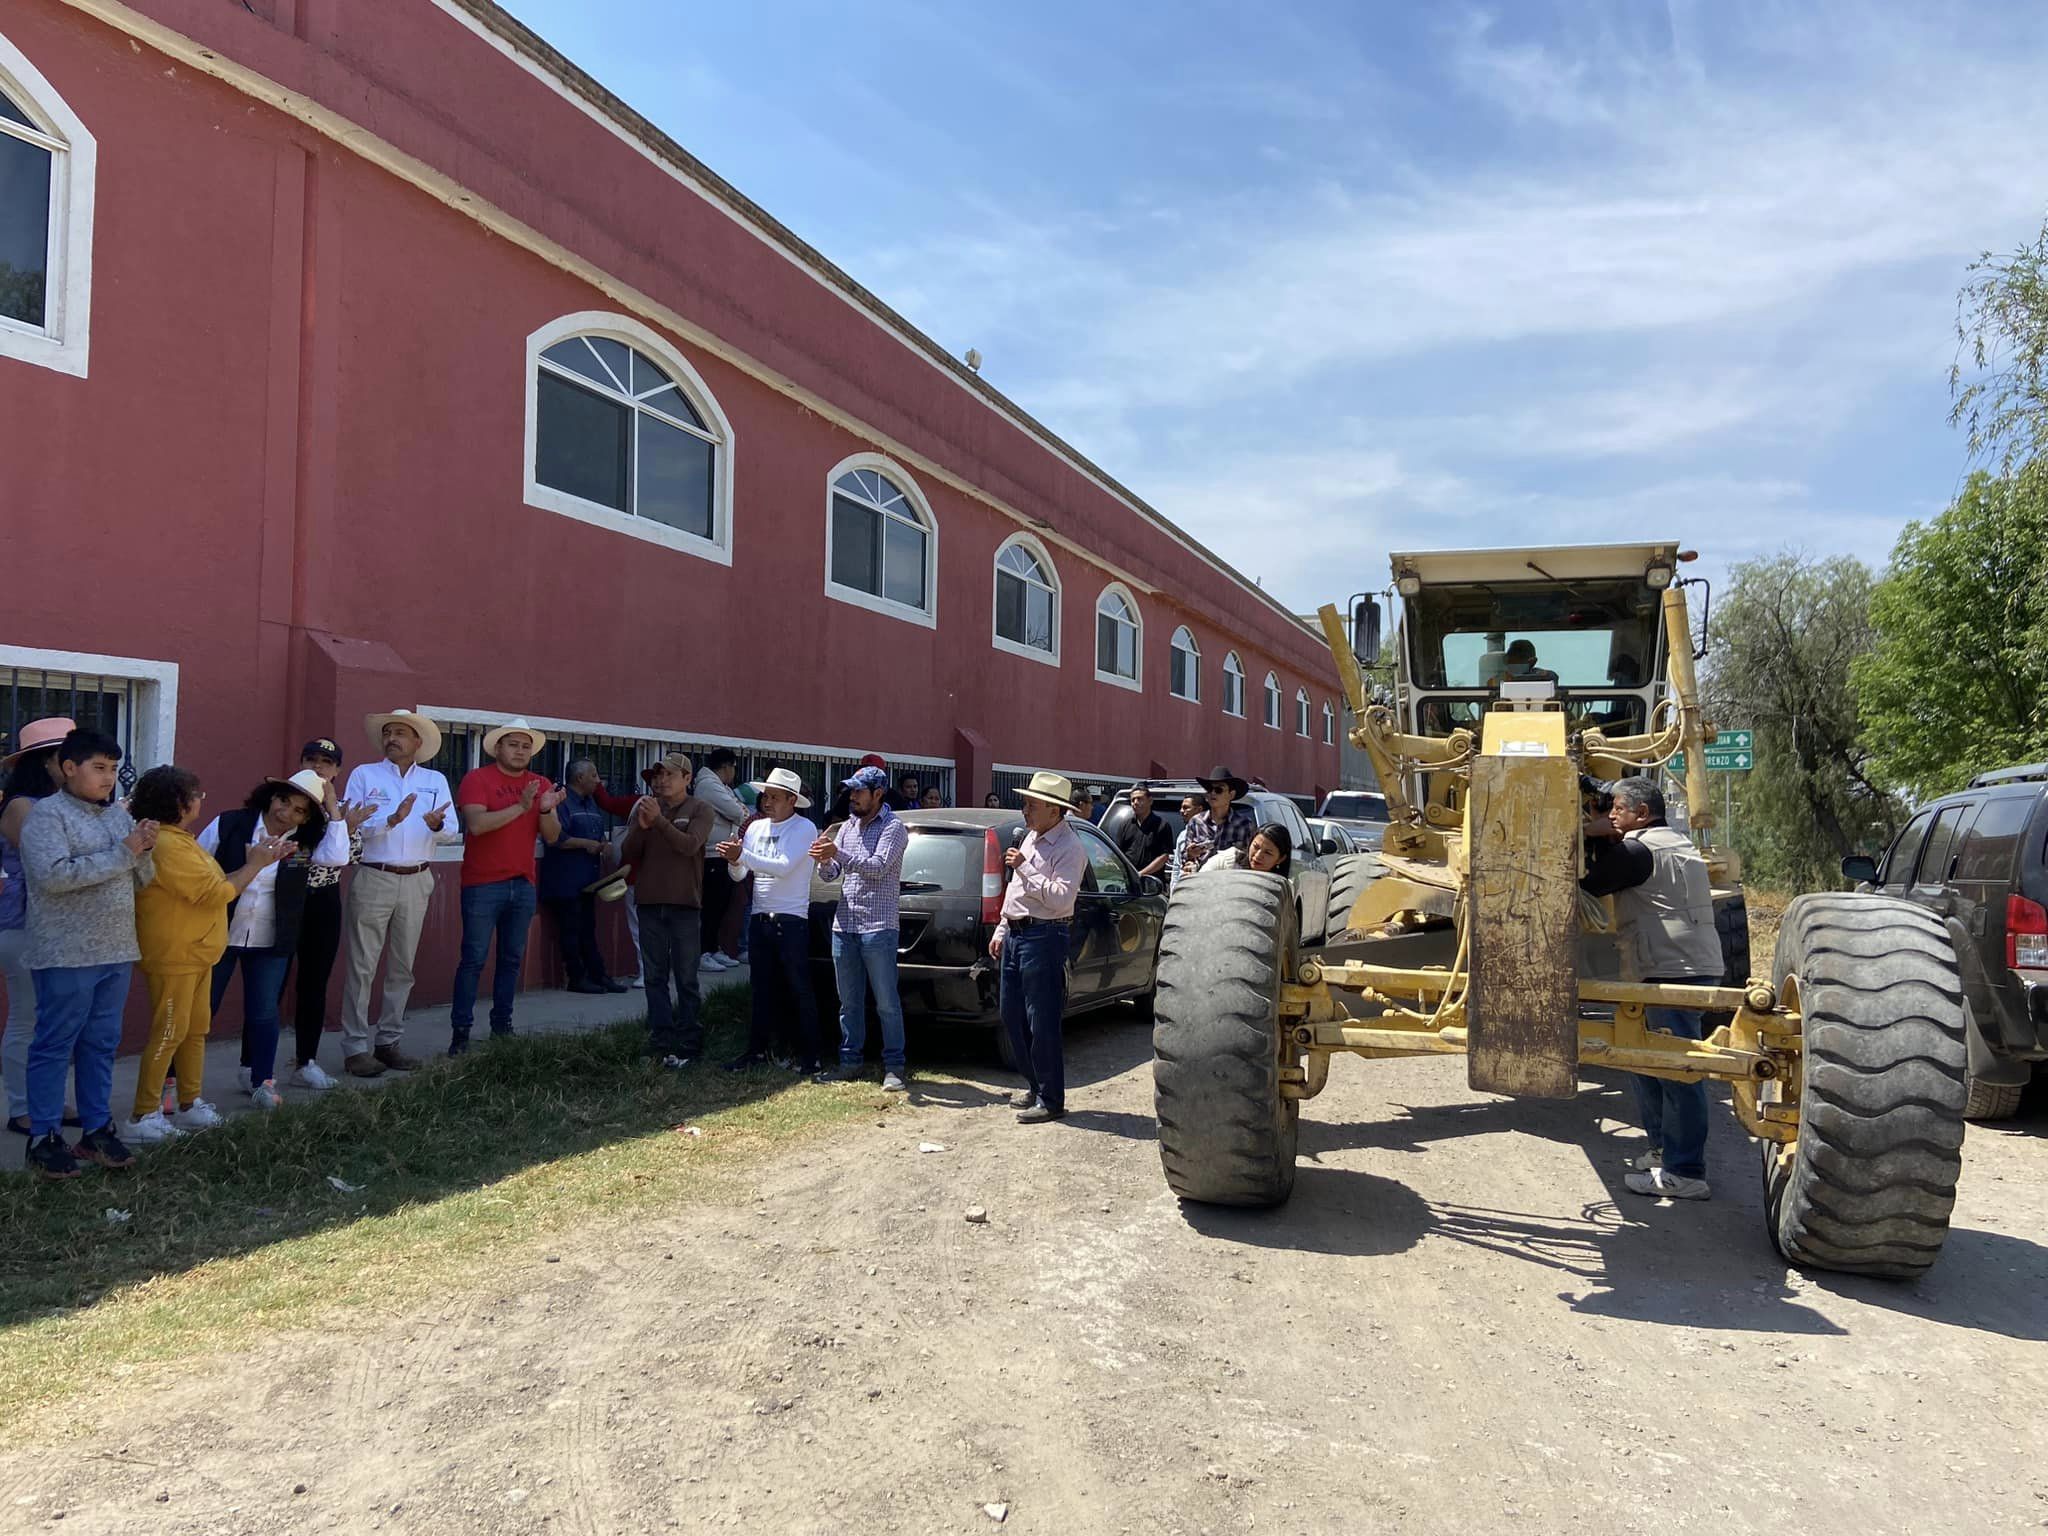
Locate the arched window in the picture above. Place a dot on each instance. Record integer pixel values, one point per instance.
(1233, 686)
(623, 434)
(1301, 711)
(1027, 600)
(881, 541)
(47, 162)
(1272, 701)
(1329, 725)
(1118, 638)
(1185, 681)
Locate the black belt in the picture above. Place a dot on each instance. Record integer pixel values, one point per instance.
(1019, 923)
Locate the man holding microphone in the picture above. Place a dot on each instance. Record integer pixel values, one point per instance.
(1031, 943)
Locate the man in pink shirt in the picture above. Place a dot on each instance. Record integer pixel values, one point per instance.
(1031, 943)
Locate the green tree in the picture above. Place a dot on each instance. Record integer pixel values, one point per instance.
(1999, 382)
(1783, 639)
(1958, 679)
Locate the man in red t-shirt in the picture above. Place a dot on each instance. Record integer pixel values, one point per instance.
(505, 807)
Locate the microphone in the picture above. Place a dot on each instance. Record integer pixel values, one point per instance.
(1017, 837)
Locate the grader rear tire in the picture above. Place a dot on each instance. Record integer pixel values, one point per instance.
(1354, 872)
(1226, 1133)
(1868, 1186)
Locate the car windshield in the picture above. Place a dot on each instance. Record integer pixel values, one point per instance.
(1592, 634)
(1355, 805)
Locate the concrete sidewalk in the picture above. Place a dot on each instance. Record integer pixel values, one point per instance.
(426, 1036)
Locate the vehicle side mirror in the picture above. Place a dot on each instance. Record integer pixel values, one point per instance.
(1365, 631)
(1328, 847)
(1151, 885)
(1860, 866)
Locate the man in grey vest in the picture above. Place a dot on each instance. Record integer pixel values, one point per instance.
(1664, 912)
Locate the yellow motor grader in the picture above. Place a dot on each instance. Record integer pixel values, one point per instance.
(1516, 678)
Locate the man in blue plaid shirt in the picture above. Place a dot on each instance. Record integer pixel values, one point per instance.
(866, 852)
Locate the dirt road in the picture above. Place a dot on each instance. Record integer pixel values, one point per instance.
(1460, 1323)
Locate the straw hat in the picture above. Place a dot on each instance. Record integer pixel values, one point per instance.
(1053, 788)
(38, 734)
(784, 778)
(428, 732)
(516, 726)
(307, 783)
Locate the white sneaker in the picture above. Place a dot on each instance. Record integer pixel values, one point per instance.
(1660, 1185)
(637, 982)
(202, 1116)
(310, 1076)
(152, 1127)
(246, 1076)
(266, 1095)
(891, 1083)
(1643, 1162)
(714, 962)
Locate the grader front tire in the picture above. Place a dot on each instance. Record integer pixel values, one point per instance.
(1868, 1186)
(1226, 1132)
(1354, 872)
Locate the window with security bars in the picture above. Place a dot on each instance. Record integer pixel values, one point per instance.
(96, 702)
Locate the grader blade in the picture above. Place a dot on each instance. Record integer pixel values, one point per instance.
(1523, 1008)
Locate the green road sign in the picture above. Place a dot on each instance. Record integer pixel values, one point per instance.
(1733, 741)
(1720, 761)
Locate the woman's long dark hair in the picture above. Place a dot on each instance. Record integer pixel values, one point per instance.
(1278, 835)
(29, 778)
(310, 832)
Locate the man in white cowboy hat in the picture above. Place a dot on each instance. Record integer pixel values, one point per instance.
(776, 850)
(506, 808)
(411, 811)
(1031, 943)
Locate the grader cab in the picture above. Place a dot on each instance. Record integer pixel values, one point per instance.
(1516, 677)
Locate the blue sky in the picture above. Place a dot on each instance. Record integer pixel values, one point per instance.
(1321, 280)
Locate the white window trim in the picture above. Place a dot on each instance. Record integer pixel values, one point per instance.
(1059, 607)
(1194, 650)
(1329, 725)
(928, 616)
(625, 329)
(1232, 667)
(1270, 701)
(63, 342)
(154, 731)
(1301, 715)
(1116, 680)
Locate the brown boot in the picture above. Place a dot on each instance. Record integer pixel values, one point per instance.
(363, 1064)
(397, 1060)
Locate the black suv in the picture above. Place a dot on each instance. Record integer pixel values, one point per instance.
(1978, 859)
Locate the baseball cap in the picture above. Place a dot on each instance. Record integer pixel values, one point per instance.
(866, 778)
(874, 760)
(320, 746)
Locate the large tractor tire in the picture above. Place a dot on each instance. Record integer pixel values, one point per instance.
(1226, 1133)
(1731, 926)
(1353, 873)
(1868, 1186)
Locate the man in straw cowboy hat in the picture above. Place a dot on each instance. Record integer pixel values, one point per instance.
(411, 811)
(1031, 943)
(506, 807)
(776, 849)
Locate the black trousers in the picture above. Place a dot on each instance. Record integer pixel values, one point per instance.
(779, 949)
(576, 927)
(718, 893)
(319, 943)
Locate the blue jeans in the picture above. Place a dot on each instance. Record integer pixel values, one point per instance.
(1675, 1114)
(1034, 995)
(78, 1030)
(861, 961)
(781, 947)
(504, 909)
(263, 973)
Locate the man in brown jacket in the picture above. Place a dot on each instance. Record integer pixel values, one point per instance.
(665, 844)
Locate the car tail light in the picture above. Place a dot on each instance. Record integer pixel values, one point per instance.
(2026, 934)
(991, 878)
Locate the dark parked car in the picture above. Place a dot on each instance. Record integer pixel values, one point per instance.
(952, 882)
(1361, 812)
(1978, 859)
(1312, 869)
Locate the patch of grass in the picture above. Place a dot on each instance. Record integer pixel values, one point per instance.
(239, 1230)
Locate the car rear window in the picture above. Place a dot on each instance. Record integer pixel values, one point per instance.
(1357, 806)
(944, 857)
(1990, 846)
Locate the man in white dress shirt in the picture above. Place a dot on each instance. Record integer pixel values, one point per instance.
(776, 850)
(387, 905)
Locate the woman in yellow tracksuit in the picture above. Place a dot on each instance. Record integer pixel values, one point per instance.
(181, 926)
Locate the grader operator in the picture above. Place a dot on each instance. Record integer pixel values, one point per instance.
(1514, 676)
